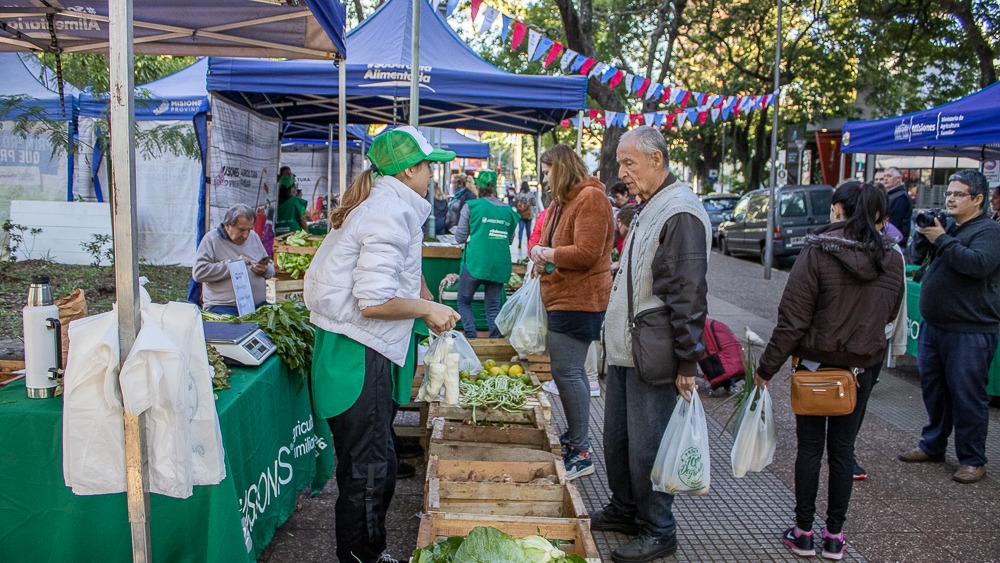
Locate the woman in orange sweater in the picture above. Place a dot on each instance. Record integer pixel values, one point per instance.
(574, 260)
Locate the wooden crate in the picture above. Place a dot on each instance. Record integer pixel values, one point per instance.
(444, 433)
(540, 365)
(453, 252)
(280, 246)
(497, 349)
(532, 417)
(574, 531)
(282, 288)
(519, 269)
(8, 369)
(445, 492)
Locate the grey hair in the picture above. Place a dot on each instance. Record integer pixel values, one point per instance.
(235, 212)
(976, 182)
(893, 171)
(648, 141)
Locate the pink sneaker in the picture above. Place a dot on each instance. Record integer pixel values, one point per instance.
(595, 389)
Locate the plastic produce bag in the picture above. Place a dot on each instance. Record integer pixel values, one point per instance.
(448, 354)
(682, 462)
(756, 436)
(523, 320)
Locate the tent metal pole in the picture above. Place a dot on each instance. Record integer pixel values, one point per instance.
(769, 235)
(840, 171)
(579, 134)
(342, 122)
(122, 66)
(329, 172)
(415, 64)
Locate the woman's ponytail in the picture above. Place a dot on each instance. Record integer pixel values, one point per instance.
(357, 193)
(865, 206)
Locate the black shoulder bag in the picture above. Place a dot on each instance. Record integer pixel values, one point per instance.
(652, 337)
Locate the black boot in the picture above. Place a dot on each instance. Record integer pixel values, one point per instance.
(645, 549)
(608, 520)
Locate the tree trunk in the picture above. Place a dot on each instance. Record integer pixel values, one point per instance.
(762, 151)
(360, 10)
(982, 48)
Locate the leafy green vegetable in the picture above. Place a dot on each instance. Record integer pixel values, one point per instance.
(489, 545)
(287, 325)
(438, 552)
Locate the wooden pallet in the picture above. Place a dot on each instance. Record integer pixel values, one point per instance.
(574, 531)
(444, 433)
(448, 490)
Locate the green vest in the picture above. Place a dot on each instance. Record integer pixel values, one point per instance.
(491, 230)
(288, 215)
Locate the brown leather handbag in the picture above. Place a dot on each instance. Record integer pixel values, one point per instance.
(827, 391)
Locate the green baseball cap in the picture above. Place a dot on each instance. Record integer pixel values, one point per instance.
(398, 149)
(286, 181)
(486, 178)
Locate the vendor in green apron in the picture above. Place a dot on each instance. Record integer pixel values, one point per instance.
(291, 209)
(364, 291)
(488, 225)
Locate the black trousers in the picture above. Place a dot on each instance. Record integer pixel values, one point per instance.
(837, 434)
(366, 465)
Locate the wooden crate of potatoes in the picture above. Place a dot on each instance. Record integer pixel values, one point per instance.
(574, 532)
(513, 482)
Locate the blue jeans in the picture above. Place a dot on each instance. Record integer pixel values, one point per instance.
(954, 370)
(524, 225)
(838, 435)
(636, 415)
(568, 357)
(230, 309)
(467, 286)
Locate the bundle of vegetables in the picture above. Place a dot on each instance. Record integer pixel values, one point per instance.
(220, 371)
(496, 388)
(286, 324)
(515, 281)
(293, 263)
(490, 544)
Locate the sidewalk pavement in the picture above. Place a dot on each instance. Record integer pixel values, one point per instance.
(902, 512)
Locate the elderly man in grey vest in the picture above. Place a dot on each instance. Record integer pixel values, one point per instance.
(667, 250)
(233, 241)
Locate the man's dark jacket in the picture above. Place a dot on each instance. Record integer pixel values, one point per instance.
(900, 210)
(836, 303)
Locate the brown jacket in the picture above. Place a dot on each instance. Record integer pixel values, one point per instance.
(582, 240)
(836, 304)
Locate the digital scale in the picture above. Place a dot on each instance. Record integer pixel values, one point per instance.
(239, 343)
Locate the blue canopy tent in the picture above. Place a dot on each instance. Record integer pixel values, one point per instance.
(233, 28)
(31, 167)
(458, 88)
(968, 127)
(451, 140)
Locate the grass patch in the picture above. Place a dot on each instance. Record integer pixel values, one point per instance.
(166, 283)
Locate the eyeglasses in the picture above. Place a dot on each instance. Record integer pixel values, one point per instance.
(956, 195)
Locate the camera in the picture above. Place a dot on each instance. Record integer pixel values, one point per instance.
(926, 218)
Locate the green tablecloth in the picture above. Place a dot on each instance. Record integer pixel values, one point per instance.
(913, 332)
(273, 445)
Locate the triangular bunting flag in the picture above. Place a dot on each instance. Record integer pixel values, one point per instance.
(715, 114)
(649, 118)
(610, 117)
(702, 117)
(568, 59)
(666, 95)
(594, 113)
(452, 6)
(681, 118)
(519, 30)
(506, 28)
(575, 121)
(586, 121)
(475, 8)
(692, 114)
(650, 91)
(533, 38)
(679, 96)
(597, 69)
(436, 4)
(587, 65)
(685, 99)
(655, 92)
(713, 98)
(489, 16)
(578, 63)
(564, 123)
(660, 116)
(610, 72)
(543, 47)
(668, 119)
(637, 85)
(629, 78)
(617, 78)
(726, 110)
(702, 99)
(557, 48)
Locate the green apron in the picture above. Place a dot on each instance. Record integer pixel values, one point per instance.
(288, 215)
(338, 373)
(491, 230)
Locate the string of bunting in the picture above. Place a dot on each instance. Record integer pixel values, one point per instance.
(548, 51)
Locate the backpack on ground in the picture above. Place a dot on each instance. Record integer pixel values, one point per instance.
(723, 358)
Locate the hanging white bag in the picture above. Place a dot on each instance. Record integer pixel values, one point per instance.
(523, 319)
(682, 463)
(756, 435)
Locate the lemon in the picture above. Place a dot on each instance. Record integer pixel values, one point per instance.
(515, 370)
(495, 370)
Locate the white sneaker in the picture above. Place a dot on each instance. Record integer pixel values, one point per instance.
(595, 389)
(550, 387)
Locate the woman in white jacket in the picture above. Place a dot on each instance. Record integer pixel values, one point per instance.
(364, 289)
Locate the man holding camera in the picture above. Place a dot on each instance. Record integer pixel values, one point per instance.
(960, 305)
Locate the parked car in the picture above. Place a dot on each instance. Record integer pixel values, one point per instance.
(800, 208)
(718, 207)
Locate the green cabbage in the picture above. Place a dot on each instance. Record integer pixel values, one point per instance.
(489, 545)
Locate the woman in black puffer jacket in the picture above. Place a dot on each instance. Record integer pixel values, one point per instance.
(846, 285)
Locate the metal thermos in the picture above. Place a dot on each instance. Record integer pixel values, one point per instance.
(42, 341)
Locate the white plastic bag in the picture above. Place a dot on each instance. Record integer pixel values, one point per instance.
(522, 318)
(682, 462)
(447, 354)
(756, 435)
